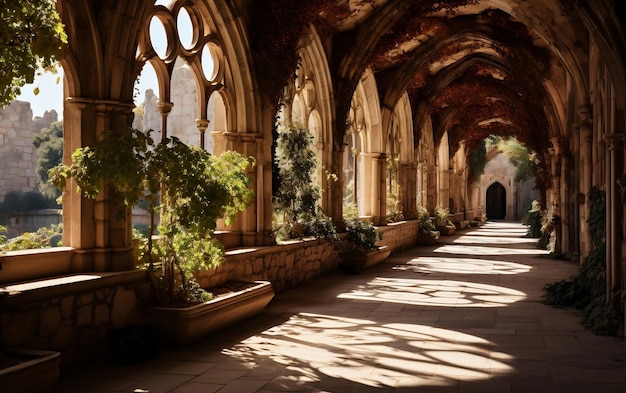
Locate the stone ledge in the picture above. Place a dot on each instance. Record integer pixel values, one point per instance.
(35, 290)
(18, 266)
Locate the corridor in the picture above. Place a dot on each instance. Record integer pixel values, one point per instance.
(463, 316)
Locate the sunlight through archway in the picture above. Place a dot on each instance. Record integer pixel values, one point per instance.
(313, 347)
(434, 293)
(462, 266)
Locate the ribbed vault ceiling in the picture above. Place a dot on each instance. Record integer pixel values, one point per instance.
(476, 67)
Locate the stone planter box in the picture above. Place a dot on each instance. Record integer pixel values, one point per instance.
(355, 261)
(183, 325)
(28, 370)
(427, 239)
(446, 230)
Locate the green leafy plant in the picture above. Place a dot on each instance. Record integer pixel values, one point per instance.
(442, 217)
(362, 235)
(533, 220)
(32, 37)
(49, 150)
(297, 212)
(586, 290)
(3, 237)
(425, 221)
(42, 238)
(186, 187)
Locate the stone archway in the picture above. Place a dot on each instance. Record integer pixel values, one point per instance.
(496, 202)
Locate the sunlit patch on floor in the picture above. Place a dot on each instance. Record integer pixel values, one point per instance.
(485, 250)
(435, 293)
(493, 240)
(462, 266)
(372, 354)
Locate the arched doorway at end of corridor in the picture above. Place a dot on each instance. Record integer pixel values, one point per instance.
(496, 202)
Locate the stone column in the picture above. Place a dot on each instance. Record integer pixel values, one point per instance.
(335, 210)
(555, 172)
(99, 230)
(164, 109)
(586, 149)
(408, 185)
(443, 191)
(378, 187)
(202, 125)
(250, 225)
(613, 221)
(431, 190)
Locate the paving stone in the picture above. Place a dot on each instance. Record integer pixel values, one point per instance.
(395, 329)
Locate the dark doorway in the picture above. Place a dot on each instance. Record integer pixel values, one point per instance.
(496, 202)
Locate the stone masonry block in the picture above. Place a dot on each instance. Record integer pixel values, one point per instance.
(124, 303)
(49, 321)
(101, 315)
(84, 316)
(67, 307)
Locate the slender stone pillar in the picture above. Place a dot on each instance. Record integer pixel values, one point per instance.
(202, 125)
(408, 186)
(250, 224)
(164, 108)
(555, 172)
(586, 139)
(379, 189)
(613, 223)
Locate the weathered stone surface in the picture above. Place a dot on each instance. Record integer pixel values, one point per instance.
(124, 303)
(84, 316)
(18, 328)
(101, 315)
(67, 307)
(63, 338)
(85, 298)
(49, 320)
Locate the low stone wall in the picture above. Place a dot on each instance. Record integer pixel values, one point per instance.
(288, 264)
(32, 220)
(284, 265)
(73, 314)
(400, 235)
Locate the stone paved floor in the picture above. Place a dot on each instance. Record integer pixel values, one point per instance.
(464, 316)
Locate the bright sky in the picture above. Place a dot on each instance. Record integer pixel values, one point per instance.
(51, 91)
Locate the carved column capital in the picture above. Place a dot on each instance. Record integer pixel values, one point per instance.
(164, 107)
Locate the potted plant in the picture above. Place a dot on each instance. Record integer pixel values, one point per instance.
(296, 202)
(361, 250)
(187, 190)
(442, 221)
(426, 231)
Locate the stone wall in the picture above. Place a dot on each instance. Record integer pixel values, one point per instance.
(285, 265)
(74, 314)
(17, 128)
(32, 220)
(72, 317)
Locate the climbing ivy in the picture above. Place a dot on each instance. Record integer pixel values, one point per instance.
(586, 290)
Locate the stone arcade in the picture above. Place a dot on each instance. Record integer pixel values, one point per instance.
(419, 83)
